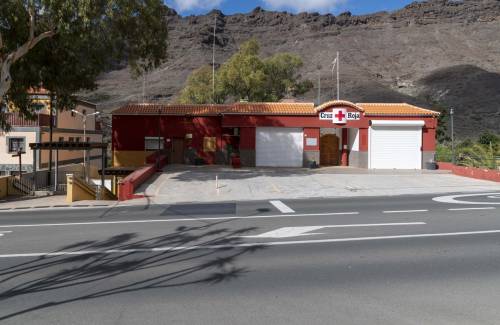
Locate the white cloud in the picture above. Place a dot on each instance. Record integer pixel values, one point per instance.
(186, 5)
(304, 5)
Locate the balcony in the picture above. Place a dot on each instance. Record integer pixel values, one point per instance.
(17, 120)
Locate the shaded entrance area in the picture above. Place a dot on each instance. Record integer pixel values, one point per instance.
(329, 150)
(178, 151)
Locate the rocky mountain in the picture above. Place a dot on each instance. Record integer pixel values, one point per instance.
(437, 53)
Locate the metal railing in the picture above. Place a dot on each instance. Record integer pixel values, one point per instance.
(23, 186)
(16, 119)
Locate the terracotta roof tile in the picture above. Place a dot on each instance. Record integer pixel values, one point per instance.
(283, 108)
(274, 108)
(171, 109)
(210, 109)
(333, 103)
(395, 109)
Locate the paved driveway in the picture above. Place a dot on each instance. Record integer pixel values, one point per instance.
(198, 183)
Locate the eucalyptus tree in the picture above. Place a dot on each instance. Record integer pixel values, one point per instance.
(245, 75)
(63, 45)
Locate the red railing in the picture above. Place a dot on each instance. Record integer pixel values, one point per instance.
(16, 119)
(129, 184)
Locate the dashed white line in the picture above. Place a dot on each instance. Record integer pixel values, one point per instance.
(281, 206)
(465, 209)
(4, 232)
(173, 220)
(406, 211)
(258, 244)
(455, 199)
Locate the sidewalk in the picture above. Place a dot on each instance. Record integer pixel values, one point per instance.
(59, 201)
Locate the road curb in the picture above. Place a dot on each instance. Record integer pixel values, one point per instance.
(56, 207)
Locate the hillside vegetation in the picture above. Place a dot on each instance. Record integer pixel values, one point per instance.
(437, 54)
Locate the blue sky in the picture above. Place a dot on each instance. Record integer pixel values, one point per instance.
(357, 7)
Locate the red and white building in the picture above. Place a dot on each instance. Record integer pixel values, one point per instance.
(365, 135)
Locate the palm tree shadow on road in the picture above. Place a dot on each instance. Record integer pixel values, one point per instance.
(148, 268)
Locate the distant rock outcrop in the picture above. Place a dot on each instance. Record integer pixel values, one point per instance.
(434, 51)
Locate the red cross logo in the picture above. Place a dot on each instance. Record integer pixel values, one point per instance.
(340, 116)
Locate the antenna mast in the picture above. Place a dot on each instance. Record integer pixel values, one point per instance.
(144, 88)
(213, 62)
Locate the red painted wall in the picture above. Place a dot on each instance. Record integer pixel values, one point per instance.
(247, 138)
(428, 139)
(311, 133)
(478, 173)
(363, 139)
(129, 131)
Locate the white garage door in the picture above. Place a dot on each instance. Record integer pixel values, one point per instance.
(395, 146)
(279, 147)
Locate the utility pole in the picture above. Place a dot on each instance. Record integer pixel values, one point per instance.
(51, 121)
(452, 137)
(213, 61)
(84, 117)
(18, 154)
(159, 141)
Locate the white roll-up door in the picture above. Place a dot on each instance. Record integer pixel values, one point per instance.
(395, 145)
(279, 147)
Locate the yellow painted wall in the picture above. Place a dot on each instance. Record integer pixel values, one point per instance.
(67, 120)
(78, 190)
(129, 158)
(66, 154)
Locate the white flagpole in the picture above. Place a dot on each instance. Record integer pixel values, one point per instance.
(333, 76)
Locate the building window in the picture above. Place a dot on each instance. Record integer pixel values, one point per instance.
(71, 139)
(16, 144)
(77, 139)
(61, 139)
(88, 139)
(151, 143)
(209, 144)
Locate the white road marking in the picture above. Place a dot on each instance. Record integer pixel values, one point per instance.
(4, 232)
(465, 209)
(54, 208)
(453, 199)
(286, 232)
(263, 244)
(281, 206)
(174, 220)
(405, 211)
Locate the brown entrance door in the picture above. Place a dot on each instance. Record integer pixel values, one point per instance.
(178, 151)
(329, 150)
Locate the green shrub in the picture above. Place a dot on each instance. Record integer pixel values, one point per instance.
(443, 153)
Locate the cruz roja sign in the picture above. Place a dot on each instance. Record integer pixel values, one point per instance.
(339, 116)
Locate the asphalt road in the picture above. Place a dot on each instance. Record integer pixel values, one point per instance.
(375, 260)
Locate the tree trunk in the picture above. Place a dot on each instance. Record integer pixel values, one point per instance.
(7, 61)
